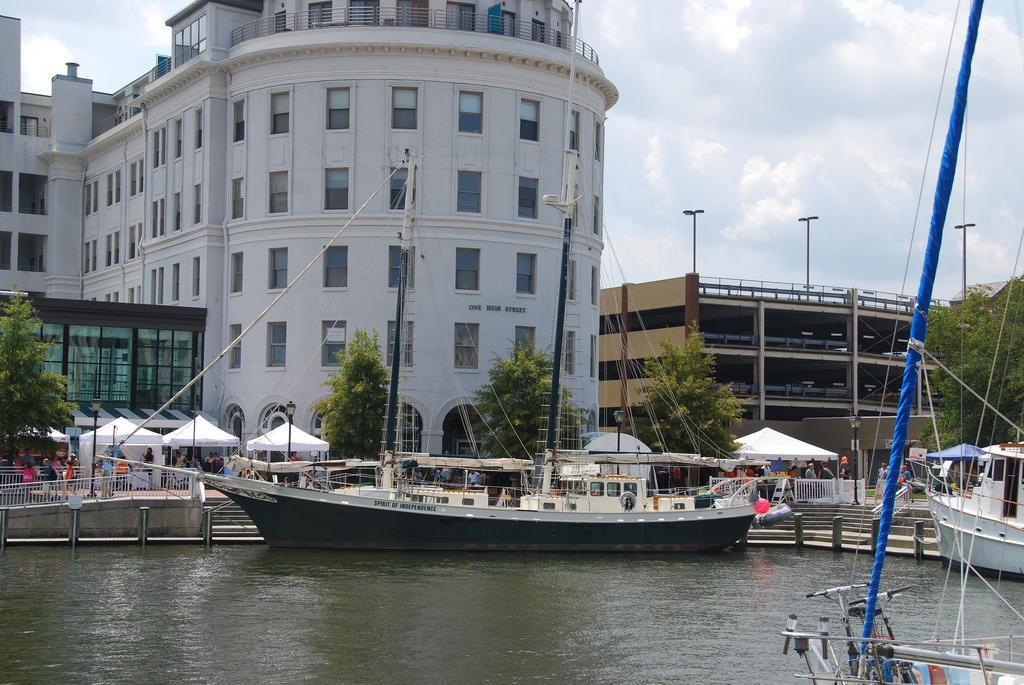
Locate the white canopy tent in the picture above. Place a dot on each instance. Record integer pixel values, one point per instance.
(57, 436)
(201, 433)
(768, 444)
(613, 442)
(277, 441)
(113, 433)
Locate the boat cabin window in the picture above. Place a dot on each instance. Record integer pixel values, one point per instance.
(467, 501)
(612, 490)
(596, 489)
(629, 487)
(997, 469)
(549, 505)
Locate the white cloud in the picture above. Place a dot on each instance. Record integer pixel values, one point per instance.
(42, 56)
(718, 23)
(703, 153)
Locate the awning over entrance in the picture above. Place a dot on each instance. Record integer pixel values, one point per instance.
(169, 418)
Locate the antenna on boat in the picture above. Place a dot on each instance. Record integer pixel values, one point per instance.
(390, 428)
(565, 204)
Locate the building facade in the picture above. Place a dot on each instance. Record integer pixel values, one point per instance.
(216, 177)
(789, 353)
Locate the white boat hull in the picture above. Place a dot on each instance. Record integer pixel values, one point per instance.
(994, 545)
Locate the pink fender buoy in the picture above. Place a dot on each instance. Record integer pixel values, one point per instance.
(761, 506)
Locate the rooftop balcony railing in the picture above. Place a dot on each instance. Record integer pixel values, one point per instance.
(447, 19)
(815, 293)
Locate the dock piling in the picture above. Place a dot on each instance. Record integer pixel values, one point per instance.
(875, 525)
(919, 540)
(207, 526)
(143, 525)
(798, 530)
(3, 529)
(837, 533)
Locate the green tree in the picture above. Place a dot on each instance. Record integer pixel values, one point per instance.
(511, 408)
(965, 338)
(353, 413)
(688, 413)
(33, 398)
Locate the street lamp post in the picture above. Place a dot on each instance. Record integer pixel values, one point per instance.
(855, 425)
(619, 415)
(289, 409)
(694, 213)
(807, 221)
(96, 404)
(964, 227)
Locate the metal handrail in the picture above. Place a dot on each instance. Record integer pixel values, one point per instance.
(450, 20)
(14, 493)
(904, 498)
(872, 299)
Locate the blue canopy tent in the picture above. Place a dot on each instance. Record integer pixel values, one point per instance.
(963, 452)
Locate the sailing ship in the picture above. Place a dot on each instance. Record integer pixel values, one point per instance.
(556, 506)
(876, 656)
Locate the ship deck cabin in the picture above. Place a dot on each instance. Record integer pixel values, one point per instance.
(1000, 490)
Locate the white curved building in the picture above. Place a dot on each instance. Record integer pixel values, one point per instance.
(227, 168)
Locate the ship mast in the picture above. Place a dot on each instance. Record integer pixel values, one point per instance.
(390, 429)
(564, 203)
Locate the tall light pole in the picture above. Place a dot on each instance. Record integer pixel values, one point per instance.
(855, 425)
(96, 404)
(619, 415)
(807, 221)
(694, 213)
(964, 227)
(289, 409)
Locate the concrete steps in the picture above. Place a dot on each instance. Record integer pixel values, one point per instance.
(232, 525)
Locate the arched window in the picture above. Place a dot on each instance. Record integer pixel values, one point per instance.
(235, 420)
(410, 428)
(273, 416)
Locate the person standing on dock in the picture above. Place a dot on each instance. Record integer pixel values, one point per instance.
(883, 473)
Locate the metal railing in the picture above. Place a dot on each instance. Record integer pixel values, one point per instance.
(451, 20)
(799, 292)
(904, 498)
(137, 483)
(33, 128)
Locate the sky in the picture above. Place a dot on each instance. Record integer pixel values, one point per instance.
(758, 112)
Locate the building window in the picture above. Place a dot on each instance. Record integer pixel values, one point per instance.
(190, 41)
(336, 189)
(467, 269)
(197, 205)
(406, 344)
(235, 356)
(395, 266)
(133, 183)
(403, 108)
(110, 189)
(574, 131)
(117, 247)
(337, 108)
(466, 336)
(572, 279)
(158, 226)
(95, 194)
(109, 250)
(199, 128)
(277, 341)
(398, 179)
(278, 192)
(526, 270)
(152, 286)
(279, 113)
(278, 277)
(597, 141)
(471, 112)
(595, 285)
(364, 12)
(32, 194)
(177, 138)
(7, 194)
(175, 282)
(527, 198)
(336, 267)
(597, 215)
(570, 353)
(159, 147)
(5, 250)
(525, 336)
(159, 284)
(177, 211)
(529, 119)
(236, 272)
(237, 199)
(195, 277)
(131, 242)
(239, 120)
(469, 191)
(117, 188)
(333, 335)
(32, 252)
(413, 12)
(319, 13)
(537, 31)
(85, 257)
(593, 356)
